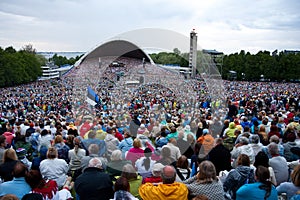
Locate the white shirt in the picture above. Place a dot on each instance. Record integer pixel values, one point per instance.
(55, 169)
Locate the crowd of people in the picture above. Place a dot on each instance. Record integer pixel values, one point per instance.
(165, 138)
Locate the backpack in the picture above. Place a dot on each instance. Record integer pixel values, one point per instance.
(63, 151)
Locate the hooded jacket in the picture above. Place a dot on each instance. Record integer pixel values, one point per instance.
(238, 177)
(207, 142)
(176, 190)
(230, 131)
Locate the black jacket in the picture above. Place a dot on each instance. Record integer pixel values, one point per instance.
(220, 156)
(94, 184)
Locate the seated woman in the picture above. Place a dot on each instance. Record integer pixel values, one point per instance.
(133, 178)
(122, 189)
(262, 159)
(262, 189)
(54, 168)
(205, 182)
(183, 171)
(156, 174)
(291, 188)
(62, 148)
(144, 164)
(135, 152)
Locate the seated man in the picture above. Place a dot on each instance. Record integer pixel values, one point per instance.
(18, 186)
(93, 153)
(169, 189)
(93, 140)
(94, 183)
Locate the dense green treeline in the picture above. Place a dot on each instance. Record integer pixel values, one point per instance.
(19, 67)
(278, 67)
(62, 60)
(24, 66)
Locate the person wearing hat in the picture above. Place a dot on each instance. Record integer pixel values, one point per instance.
(156, 174)
(37, 160)
(94, 182)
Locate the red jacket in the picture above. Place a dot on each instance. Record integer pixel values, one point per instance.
(9, 137)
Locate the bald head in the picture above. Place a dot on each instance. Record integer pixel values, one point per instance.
(168, 174)
(95, 162)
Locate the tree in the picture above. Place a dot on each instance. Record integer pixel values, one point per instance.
(18, 67)
(29, 48)
(176, 51)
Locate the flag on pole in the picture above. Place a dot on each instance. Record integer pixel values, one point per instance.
(92, 97)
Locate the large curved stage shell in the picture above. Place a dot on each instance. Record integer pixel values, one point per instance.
(116, 48)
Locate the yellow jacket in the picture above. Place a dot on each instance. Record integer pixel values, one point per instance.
(174, 191)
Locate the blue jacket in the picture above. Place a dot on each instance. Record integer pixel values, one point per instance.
(18, 187)
(253, 192)
(161, 142)
(125, 145)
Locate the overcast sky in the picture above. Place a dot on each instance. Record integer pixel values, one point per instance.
(79, 25)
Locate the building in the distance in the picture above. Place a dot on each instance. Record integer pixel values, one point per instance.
(50, 70)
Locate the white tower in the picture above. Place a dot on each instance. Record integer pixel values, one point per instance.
(193, 53)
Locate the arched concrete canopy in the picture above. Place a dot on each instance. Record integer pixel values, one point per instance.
(117, 48)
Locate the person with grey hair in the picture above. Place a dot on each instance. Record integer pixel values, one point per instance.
(275, 139)
(278, 163)
(115, 165)
(169, 189)
(93, 153)
(255, 143)
(94, 182)
(156, 174)
(243, 147)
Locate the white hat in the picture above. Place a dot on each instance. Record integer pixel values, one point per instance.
(157, 167)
